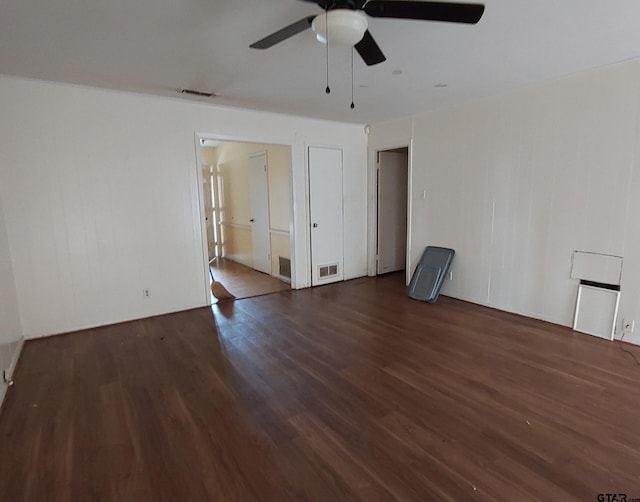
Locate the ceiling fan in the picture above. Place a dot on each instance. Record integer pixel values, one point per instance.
(344, 23)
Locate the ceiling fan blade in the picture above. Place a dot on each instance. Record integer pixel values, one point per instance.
(283, 34)
(369, 50)
(426, 11)
(323, 4)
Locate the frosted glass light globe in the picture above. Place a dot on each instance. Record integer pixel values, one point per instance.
(346, 27)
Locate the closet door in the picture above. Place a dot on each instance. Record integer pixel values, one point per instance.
(325, 208)
(259, 196)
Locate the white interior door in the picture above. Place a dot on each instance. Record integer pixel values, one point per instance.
(259, 197)
(207, 191)
(325, 207)
(392, 211)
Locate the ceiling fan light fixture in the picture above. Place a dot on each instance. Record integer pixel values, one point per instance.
(345, 27)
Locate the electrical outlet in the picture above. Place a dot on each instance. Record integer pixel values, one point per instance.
(146, 293)
(628, 325)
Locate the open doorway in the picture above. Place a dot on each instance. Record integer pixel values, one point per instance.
(247, 215)
(392, 177)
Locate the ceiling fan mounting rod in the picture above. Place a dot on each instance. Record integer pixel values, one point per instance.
(340, 4)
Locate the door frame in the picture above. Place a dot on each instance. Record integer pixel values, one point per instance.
(198, 137)
(373, 205)
(380, 212)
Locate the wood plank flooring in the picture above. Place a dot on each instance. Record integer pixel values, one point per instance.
(243, 281)
(345, 392)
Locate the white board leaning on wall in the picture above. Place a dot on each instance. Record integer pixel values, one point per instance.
(598, 293)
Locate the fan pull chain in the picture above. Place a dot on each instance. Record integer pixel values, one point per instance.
(326, 36)
(352, 103)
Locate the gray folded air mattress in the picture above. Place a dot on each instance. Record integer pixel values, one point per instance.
(429, 275)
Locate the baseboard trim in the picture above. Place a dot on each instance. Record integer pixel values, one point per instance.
(283, 278)
(3, 394)
(8, 372)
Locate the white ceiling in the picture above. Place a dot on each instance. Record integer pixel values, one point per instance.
(159, 46)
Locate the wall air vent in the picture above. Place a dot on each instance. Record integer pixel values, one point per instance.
(328, 271)
(284, 267)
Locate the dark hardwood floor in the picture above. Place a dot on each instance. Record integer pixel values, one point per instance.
(243, 281)
(344, 392)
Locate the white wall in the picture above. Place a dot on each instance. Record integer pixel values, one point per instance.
(101, 199)
(10, 329)
(515, 183)
(235, 214)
